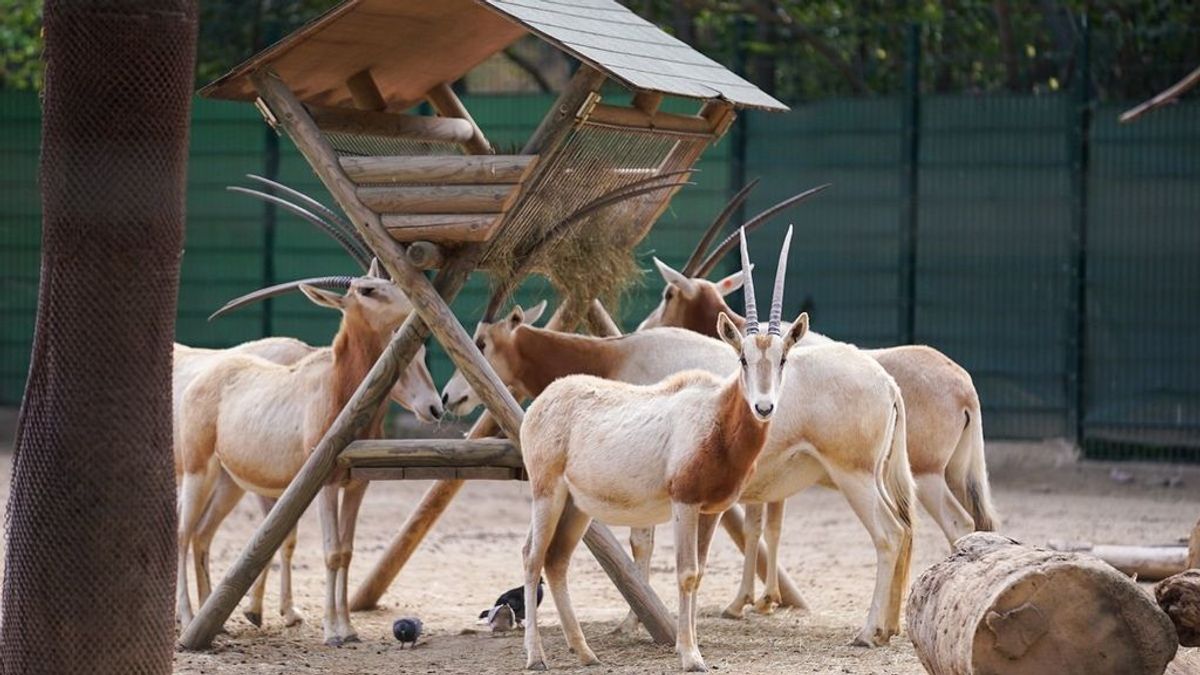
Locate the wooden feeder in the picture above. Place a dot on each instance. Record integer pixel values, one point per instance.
(427, 191)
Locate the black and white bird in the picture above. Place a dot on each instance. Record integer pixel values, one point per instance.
(515, 598)
(501, 618)
(407, 629)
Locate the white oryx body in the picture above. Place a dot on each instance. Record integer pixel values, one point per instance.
(640, 455)
(944, 421)
(257, 421)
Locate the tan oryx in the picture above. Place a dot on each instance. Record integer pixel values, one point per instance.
(257, 421)
(945, 424)
(810, 437)
(635, 455)
(414, 391)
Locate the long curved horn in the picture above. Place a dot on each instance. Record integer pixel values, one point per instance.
(313, 204)
(351, 246)
(560, 229)
(729, 242)
(715, 227)
(281, 289)
(748, 288)
(776, 319)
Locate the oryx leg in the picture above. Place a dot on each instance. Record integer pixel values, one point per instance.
(771, 597)
(641, 544)
(194, 492)
(327, 507)
(548, 504)
(939, 501)
(224, 497)
(751, 532)
(687, 571)
(571, 526)
(352, 496)
(889, 537)
(287, 609)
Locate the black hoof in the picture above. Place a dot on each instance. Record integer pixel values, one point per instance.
(254, 618)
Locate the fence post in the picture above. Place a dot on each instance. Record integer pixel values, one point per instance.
(909, 185)
(1079, 125)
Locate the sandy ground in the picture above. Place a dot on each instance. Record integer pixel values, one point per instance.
(474, 554)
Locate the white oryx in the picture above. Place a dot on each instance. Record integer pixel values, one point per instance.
(810, 436)
(414, 390)
(258, 421)
(945, 424)
(641, 455)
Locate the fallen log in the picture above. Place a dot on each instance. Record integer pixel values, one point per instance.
(1147, 563)
(1179, 597)
(998, 607)
(1194, 547)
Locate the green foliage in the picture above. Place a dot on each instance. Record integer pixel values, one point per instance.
(21, 44)
(800, 49)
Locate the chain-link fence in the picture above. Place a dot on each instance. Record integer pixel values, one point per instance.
(985, 201)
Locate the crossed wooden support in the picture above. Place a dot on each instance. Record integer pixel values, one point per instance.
(432, 316)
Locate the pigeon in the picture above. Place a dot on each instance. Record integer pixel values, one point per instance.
(515, 598)
(407, 629)
(501, 618)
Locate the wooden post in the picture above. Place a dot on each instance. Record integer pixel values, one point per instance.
(317, 469)
(365, 92)
(432, 309)
(420, 521)
(447, 104)
(619, 566)
(426, 255)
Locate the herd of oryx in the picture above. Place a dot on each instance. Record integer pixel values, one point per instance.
(696, 411)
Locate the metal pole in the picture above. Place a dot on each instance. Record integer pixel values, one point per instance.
(1079, 123)
(910, 168)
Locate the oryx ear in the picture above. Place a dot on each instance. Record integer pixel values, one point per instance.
(729, 332)
(675, 278)
(322, 297)
(797, 332)
(376, 269)
(732, 282)
(534, 313)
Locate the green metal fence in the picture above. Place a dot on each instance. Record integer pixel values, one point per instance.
(1052, 251)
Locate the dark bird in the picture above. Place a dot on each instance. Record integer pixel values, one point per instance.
(407, 629)
(502, 618)
(515, 598)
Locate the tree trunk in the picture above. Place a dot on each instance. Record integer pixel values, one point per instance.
(998, 607)
(1179, 597)
(90, 569)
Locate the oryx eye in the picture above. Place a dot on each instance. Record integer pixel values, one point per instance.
(366, 291)
(743, 360)
(669, 293)
(480, 344)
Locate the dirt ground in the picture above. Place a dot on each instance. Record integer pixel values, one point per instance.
(474, 554)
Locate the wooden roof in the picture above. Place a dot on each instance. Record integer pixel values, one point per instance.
(410, 46)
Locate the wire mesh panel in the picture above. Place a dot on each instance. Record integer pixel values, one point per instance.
(992, 274)
(1143, 286)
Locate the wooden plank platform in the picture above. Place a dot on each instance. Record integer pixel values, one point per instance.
(433, 459)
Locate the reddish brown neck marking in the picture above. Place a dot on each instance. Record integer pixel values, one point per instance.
(356, 348)
(544, 356)
(726, 457)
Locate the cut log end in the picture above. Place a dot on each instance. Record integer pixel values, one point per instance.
(1179, 597)
(996, 606)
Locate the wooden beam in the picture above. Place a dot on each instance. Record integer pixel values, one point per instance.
(442, 228)
(720, 115)
(373, 123)
(425, 255)
(365, 92)
(431, 199)
(419, 522)
(447, 104)
(559, 120)
(647, 101)
(443, 170)
(447, 452)
(632, 118)
(619, 566)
